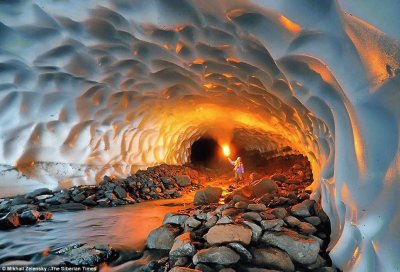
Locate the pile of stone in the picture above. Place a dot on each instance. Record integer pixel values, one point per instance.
(258, 228)
(83, 254)
(160, 182)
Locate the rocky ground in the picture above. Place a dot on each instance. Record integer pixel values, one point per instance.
(160, 182)
(266, 224)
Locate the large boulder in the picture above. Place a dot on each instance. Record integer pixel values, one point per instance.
(228, 233)
(255, 229)
(183, 180)
(273, 258)
(216, 255)
(163, 237)
(264, 186)
(207, 196)
(177, 219)
(9, 221)
(300, 248)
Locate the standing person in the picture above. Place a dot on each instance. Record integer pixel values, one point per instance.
(238, 168)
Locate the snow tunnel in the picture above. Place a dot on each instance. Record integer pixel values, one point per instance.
(95, 87)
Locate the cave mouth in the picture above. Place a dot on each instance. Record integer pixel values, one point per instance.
(204, 152)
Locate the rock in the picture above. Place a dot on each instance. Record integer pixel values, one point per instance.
(303, 209)
(204, 268)
(245, 255)
(9, 221)
(73, 207)
(163, 237)
(300, 248)
(79, 197)
(229, 233)
(45, 216)
(29, 217)
(177, 219)
(191, 223)
(313, 220)
(224, 220)
(120, 192)
(264, 186)
(257, 269)
(275, 224)
(182, 247)
(207, 196)
(306, 228)
(39, 192)
(255, 230)
(183, 180)
(318, 264)
(183, 269)
(279, 212)
(104, 202)
(280, 178)
(227, 270)
(211, 222)
(253, 216)
(165, 180)
(18, 200)
(241, 205)
(256, 207)
(5, 205)
(239, 198)
(43, 197)
(216, 255)
(85, 255)
(89, 202)
(273, 258)
(292, 221)
(180, 261)
(110, 195)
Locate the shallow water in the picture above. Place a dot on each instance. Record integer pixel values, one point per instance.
(125, 228)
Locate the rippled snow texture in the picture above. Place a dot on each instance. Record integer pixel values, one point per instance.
(89, 88)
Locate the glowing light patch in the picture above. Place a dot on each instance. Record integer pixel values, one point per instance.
(226, 150)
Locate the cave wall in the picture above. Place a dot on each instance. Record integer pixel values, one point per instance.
(89, 88)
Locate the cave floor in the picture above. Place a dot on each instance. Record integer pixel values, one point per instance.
(125, 227)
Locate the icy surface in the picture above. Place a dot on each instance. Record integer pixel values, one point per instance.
(89, 88)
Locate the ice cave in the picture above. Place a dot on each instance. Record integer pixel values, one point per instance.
(109, 87)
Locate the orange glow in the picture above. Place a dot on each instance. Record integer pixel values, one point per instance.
(233, 60)
(226, 150)
(198, 61)
(178, 47)
(289, 25)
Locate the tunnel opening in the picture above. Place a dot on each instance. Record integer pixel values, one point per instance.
(204, 152)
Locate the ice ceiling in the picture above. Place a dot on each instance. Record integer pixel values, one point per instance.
(89, 88)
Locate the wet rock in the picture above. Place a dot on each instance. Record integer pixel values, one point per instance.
(163, 237)
(245, 255)
(229, 233)
(255, 230)
(264, 186)
(275, 224)
(39, 192)
(72, 206)
(211, 222)
(303, 209)
(104, 202)
(89, 201)
(273, 258)
(45, 216)
(257, 269)
(179, 261)
(207, 196)
(313, 220)
(9, 221)
(279, 212)
(5, 205)
(292, 221)
(43, 197)
(85, 255)
(204, 268)
(120, 192)
(79, 197)
(306, 228)
(110, 195)
(318, 264)
(22, 207)
(300, 248)
(183, 180)
(29, 217)
(182, 247)
(253, 216)
(216, 255)
(177, 219)
(256, 207)
(280, 178)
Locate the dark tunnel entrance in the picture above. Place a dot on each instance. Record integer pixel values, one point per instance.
(204, 152)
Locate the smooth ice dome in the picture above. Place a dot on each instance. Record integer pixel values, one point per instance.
(89, 88)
